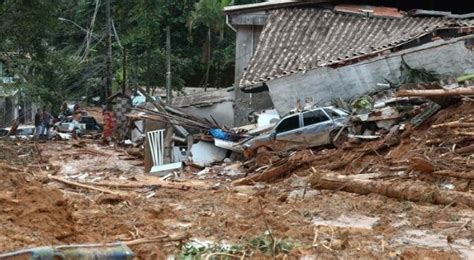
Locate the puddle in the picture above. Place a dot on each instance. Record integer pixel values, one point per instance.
(422, 238)
(345, 221)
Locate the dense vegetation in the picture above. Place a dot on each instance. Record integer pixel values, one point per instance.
(57, 48)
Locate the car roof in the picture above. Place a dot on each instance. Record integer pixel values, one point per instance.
(19, 127)
(303, 111)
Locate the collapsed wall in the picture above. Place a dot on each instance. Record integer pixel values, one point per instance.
(453, 57)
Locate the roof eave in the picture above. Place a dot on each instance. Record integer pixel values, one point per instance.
(234, 9)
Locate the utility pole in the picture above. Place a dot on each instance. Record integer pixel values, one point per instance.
(168, 66)
(108, 77)
(124, 85)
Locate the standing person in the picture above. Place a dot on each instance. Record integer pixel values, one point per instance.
(76, 119)
(38, 123)
(77, 107)
(47, 119)
(65, 109)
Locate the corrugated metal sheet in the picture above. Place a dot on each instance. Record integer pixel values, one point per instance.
(202, 99)
(299, 39)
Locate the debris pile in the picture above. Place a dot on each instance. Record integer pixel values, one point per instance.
(418, 154)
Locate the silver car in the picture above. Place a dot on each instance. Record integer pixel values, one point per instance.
(305, 129)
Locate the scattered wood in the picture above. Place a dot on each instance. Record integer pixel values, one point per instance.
(436, 92)
(464, 133)
(268, 175)
(158, 239)
(92, 152)
(10, 168)
(454, 124)
(181, 185)
(421, 164)
(404, 190)
(124, 185)
(135, 152)
(89, 187)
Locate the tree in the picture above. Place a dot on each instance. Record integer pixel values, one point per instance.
(209, 13)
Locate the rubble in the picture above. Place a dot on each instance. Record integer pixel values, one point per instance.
(407, 164)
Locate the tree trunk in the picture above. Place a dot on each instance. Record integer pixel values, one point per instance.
(206, 81)
(436, 92)
(404, 190)
(448, 173)
(148, 80)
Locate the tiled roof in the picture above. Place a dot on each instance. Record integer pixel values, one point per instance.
(299, 39)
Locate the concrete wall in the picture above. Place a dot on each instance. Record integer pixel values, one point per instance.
(8, 110)
(245, 103)
(325, 84)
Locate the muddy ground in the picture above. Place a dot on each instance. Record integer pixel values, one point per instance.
(285, 217)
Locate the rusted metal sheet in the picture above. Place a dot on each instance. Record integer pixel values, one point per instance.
(368, 10)
(295, 40)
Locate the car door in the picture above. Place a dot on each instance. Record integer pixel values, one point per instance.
(288, 133)
(317, 126)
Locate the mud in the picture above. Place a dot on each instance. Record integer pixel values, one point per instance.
(36, 211)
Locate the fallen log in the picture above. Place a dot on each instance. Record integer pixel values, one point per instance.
(89, 187)
(403, 190)
(268, 175)
(435, 92)
(468, 149)
(182, 185)
(158, 239)
(454, 124)
(449, 173)
(464, 133)
(155, 184)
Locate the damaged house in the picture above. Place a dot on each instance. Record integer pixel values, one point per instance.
(292, 51)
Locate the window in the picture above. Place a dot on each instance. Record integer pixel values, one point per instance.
(288, 124)
(314, 117)
(332, 113)
(25, 131)
(88, 120)
(3, 132)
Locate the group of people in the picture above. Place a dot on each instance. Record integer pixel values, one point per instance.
(43, 123)
(44, 120)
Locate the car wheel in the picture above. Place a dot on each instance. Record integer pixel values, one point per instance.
(339, 139)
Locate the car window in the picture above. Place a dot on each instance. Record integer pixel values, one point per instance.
(314, 117)
(87, 120)
(332, 113)
(3, 132)
(288, 124)
(25, 131)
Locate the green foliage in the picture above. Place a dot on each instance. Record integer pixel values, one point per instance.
(265, 243)
(270, 246)
(412, 75)
(55, 61)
